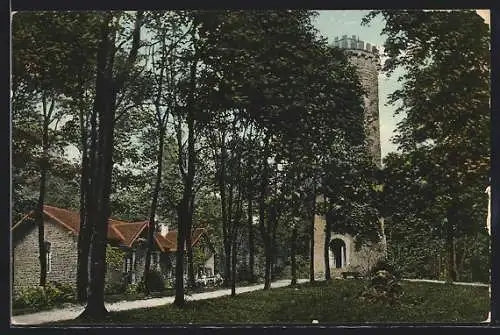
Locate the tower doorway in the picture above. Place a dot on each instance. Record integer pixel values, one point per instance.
(338, 250)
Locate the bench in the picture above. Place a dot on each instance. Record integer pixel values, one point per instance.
(351, 274)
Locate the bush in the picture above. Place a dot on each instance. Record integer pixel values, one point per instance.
(118, 287)
(133, 289)
(244, 274)
(385, 264)
(155, 282)
(168, 283)
(384, 288)
(63, 292)
(114, 288)
(41, 297)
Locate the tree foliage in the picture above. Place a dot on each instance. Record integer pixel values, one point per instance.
(437, 183)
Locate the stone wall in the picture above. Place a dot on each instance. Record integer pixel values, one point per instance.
(367, 67)
(64, 244)
(356, 260)
(26, 264)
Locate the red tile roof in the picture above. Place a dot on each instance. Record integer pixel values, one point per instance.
(124, 232)
(130, 230)
(169, 242)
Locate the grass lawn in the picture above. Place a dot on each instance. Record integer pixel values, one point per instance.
(112, 298)
(333, 303)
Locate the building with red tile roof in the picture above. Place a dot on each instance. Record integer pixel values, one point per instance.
(62, 227)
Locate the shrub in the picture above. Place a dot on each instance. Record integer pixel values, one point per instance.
(114, 288)
(155, 282)
(63, 292)
(302, 266)
(244, 274)
(30, 297)
(168, 283)
(118, 287)
(384, 288)
(385, 264)
(41, 297)
(133, 289)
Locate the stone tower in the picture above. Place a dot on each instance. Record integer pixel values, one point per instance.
(366, 59)
(343, 255)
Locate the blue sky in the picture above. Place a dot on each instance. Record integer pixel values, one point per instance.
(332, 23)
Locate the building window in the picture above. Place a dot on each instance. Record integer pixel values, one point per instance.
(128, 263)
(48, 256)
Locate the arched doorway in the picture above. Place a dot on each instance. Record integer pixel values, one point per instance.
(338, 250)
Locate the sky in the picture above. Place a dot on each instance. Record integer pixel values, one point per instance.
(332, 23)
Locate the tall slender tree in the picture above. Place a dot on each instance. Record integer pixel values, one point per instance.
(108, 84)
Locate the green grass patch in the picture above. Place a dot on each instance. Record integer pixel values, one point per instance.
(336, 302)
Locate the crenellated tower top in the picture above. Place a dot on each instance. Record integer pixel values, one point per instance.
(354, 43)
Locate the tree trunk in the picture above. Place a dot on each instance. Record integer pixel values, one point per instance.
(179, 263)
(268, 246)
(102, 179)
(455, 269)
(152, 213)
(328, 236)
(268, 266)
(44, 166)
(293, 253)
(266, 240)
(84, 236)
(161, 124)
(251, 254)
(39, 210)
(186, 212)
(225, 210)
(450, 264)
(311, 251)
(98, 210)
(87, 198)
(265, 233)
(230, 231)
(274, 250)
(235, 224)
(233, 267)
(227, 263)
(221, 184)
(468, 248)
(189, 247)
(95, 308)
